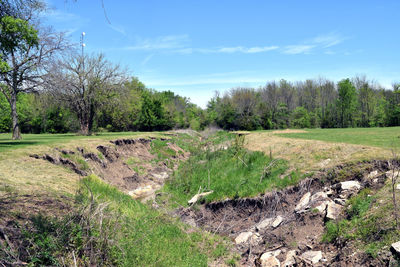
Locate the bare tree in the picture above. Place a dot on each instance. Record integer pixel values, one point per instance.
(25, 50)
(85, 82)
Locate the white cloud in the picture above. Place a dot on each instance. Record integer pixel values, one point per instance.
(246, 50)
(161, 43)
(328, 40)
(180, 44)
(64, 21)
(298, 49)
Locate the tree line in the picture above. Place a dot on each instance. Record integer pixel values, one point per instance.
(355, 102)
(49, 86)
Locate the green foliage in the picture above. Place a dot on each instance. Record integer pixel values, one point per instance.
(160, 148)
(109, 228)
(15, 34)
(5, 118)
(230, 173)
(357, 226)
(49, 238)
(347, 101)
(146, 237)
(300, 118)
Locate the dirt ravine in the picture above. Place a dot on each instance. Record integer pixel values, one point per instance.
(128, 164)
(276, 224)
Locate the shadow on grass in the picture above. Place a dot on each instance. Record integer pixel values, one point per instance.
(16, 144)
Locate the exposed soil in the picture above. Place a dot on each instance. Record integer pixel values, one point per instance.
(15, 212)
(299, 230)
(127, 164)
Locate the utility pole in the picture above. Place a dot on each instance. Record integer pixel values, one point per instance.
(83, 46)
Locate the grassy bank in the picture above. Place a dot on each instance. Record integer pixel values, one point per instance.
(369, 222)
(230, 171)
(384, 137)
(111, 228)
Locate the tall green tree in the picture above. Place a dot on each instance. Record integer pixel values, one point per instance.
(24, 53)
(347, 102)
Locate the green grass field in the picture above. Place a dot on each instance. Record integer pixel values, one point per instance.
(386, 137)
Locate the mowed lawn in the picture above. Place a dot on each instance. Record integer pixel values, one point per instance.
(384, 137)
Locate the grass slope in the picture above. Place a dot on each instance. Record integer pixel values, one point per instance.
(384, 137)
(146, 237)
(232, 172)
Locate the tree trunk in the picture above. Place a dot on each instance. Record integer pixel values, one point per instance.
(16, 133)
(85, 127)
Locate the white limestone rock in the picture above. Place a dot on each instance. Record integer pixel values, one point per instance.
(333, 210)
(305, 199)
(350, 185)
(278, 220)
(243, 237)
(312, 256)
(265, 223)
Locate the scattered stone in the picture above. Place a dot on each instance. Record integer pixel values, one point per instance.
(372, 174)
(312, 256)
(255, 239)
(350, 185)
(322, 206)
(243, 237)
(265, 223)
(196, 197)
(277, 221)
(290, 258)
(303, 202)
(395, 248)
(141, 192)
(392, 174)
(333, 210)
(269, 261)
(319, 196)
(275, 253)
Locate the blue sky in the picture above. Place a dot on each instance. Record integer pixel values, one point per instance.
(197, 47)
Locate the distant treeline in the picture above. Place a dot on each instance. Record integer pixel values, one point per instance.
(132, 107)
(321, 103)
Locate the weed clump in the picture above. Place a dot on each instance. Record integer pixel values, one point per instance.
(229, 171)
(111, 229)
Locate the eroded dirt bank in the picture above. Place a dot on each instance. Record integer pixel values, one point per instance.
(132, 165)
(285, 228)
